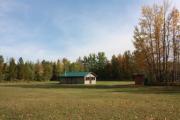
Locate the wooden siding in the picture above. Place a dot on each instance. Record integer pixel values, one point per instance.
(72, 80)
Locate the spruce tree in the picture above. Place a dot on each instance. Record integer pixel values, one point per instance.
(20, 69)
(1, 67)
(12, 71)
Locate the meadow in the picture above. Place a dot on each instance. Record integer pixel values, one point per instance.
(104, 101)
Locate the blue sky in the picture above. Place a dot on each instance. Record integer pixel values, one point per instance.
(53, 29)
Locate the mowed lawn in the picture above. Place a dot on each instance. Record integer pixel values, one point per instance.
(104, 101)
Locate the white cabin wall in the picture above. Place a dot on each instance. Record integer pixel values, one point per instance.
(93, 81)
(88, 81)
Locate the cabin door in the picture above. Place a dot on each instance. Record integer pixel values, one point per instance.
(90, 81)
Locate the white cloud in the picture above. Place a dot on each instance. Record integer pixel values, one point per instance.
(28, 52)
(112, 44)
(110, 35)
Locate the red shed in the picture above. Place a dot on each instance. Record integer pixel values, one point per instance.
(139, 79)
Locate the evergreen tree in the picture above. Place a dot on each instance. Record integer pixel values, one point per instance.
(56, 71)
(20, 69)
(5, 71)
(1, 67)
(101, 64)
(12, 70)
(115, 68)
(90, 62)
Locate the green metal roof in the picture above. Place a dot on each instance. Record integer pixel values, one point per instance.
(75, 74)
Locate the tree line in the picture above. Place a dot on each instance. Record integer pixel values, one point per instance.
(118, 68)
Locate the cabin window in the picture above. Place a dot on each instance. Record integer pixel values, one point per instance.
(90, 78)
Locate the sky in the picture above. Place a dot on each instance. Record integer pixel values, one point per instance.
(54, 29)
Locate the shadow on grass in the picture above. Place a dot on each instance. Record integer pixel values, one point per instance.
(58, 85)
(151, 90)
(129, 88)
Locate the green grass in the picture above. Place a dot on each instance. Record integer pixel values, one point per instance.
(104, 101)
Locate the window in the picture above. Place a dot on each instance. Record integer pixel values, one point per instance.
(90, 78)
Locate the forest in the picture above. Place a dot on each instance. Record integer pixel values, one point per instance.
(156, 55)
(118, 68)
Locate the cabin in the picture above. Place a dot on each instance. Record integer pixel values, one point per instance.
(139, 79)
(78, 78)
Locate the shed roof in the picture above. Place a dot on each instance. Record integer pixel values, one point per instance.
(76, 74)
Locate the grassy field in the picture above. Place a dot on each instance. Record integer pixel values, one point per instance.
(104, 101)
